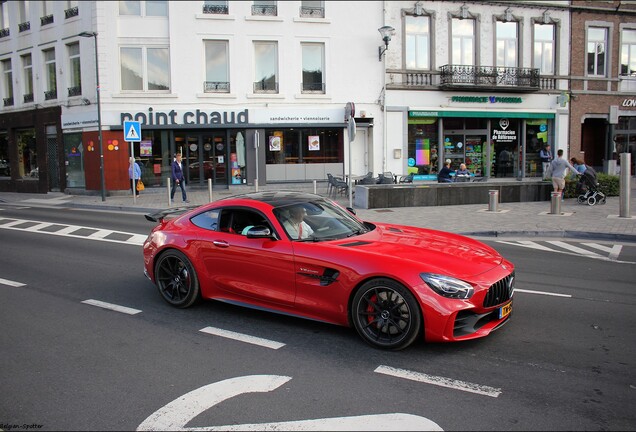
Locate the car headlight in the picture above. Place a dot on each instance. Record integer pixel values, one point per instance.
(447, 286)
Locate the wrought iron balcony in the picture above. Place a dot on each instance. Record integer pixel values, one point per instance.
(8, 101)
(265, 10)
(4, 32)
(312, 12)
(28, 97)
(24, 26)
(216, 87)
(313, 87)
(489, 78)
(72, 12)
(265, 86)
(50, 94)
(215, 9)
(74, 91)
(48, 19)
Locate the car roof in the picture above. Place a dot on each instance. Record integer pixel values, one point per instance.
(278, 198)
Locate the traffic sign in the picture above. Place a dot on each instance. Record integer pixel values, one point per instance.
(132, 131)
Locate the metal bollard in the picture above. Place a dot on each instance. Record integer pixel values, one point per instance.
(555, 203)
(625, 186)
(168, 189)
(315, 190)
(209, 190)
(493, 200)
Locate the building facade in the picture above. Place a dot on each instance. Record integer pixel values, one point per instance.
(482, 83)
(603, 82)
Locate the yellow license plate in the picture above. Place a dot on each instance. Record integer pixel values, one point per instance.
(505, 310)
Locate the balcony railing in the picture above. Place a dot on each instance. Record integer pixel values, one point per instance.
(8, 101)
(215, 9)
(28, 97)
(312, 12)
(50, 94)
(4, 32)
(72, 12)
(312, 87)
(265, 87)
(74, 91)
(24, 26)
(216, 87)
(265, 10)
(489, 78)
(48, 19)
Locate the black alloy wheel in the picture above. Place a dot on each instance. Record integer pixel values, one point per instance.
(176, 279)
(386, 314)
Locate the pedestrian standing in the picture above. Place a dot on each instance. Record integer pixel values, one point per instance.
(558, 168)
(178, 179)
(546, 157)
(134, 173)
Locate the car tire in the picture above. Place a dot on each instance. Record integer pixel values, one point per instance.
(386, 314)
(176, 279)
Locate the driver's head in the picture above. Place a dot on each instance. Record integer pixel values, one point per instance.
(298, 212)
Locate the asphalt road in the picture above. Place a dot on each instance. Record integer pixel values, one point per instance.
(565, 361)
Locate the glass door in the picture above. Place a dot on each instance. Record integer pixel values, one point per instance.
(215, 150)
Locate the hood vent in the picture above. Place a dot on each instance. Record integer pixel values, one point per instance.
(356, 243)
(393, 229)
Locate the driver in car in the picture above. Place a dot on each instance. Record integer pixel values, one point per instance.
(295, 226)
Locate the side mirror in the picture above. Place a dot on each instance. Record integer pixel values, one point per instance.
(351, 210)
(259, 231)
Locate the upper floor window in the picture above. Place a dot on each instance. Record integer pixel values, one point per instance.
(265, 7)
(156, 8)
(47, 12)
(312, 9)
(507, 44)
(71, 10)
(265, 67)
(628, 52)
(596, 51)
(463, 41)
(23, 16)
(75, 75)
(313, 67)
(51, 79)
(130, 7)
(27, 73)
(7, 81)
(418, 42)
(4, 15)
(219, 7)
(145, 69)
(216, 67)
(543, 51)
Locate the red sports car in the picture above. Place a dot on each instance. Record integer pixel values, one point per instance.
(304, 255)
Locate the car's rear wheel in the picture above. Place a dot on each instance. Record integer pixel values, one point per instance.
(176, 279)
(386, 314)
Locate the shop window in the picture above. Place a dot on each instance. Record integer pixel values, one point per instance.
(294, 146)
(5, 163)
(27, 154)
(422, 146)
(74, 160)
(537, 136)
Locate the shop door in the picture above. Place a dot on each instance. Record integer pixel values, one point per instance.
(190, 159)
(476, 154)
(469, 148)
(215, 151)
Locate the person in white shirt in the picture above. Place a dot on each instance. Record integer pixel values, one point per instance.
(295, 226)
(558, 168)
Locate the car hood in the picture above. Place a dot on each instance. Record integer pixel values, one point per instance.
(434, 251)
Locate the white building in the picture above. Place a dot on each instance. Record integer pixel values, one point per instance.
(210, 79)
(475, 82)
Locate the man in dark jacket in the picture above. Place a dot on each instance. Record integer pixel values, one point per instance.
(444, 175)
(178, 178)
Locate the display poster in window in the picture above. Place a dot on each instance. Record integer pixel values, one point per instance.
(474, 151)
(314, 142)
(422, 151)
(145, 148)
(275, 143)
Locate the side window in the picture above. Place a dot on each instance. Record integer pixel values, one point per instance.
(237, 221)
(207, 220)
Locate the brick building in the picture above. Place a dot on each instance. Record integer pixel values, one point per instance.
(603, 82)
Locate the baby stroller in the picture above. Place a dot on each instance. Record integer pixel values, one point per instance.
(588, 188)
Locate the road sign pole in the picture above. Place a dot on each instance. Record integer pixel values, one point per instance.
(132, 167)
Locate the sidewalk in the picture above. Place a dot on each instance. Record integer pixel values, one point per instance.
(512, 219)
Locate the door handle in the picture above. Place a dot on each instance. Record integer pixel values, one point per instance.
(220, 243)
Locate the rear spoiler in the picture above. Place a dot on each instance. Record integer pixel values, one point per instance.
(160, 215)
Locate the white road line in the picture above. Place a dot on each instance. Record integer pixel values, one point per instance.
(573, 248)
(38, 227)
(111, 306)
(542, 293)
(527, 243)
(137, 239)
(439, 381)
(613, 252)
(67, 230)
(100, 234)
(242, 337)
(11, 283)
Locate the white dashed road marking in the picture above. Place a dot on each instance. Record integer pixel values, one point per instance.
(242, 337)
(11, 283)
(114, 307)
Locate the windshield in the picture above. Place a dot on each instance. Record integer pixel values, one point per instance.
(317, 221)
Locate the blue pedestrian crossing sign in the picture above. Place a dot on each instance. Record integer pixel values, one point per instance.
(132, 131)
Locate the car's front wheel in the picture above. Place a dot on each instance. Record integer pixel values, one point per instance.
(386, 314)
(176, 279)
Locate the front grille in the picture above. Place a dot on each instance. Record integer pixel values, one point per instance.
(500, 292)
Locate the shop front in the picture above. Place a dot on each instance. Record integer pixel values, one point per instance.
(491, 144)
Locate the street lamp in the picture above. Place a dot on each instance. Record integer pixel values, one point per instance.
(99, 115)
(386, 32)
